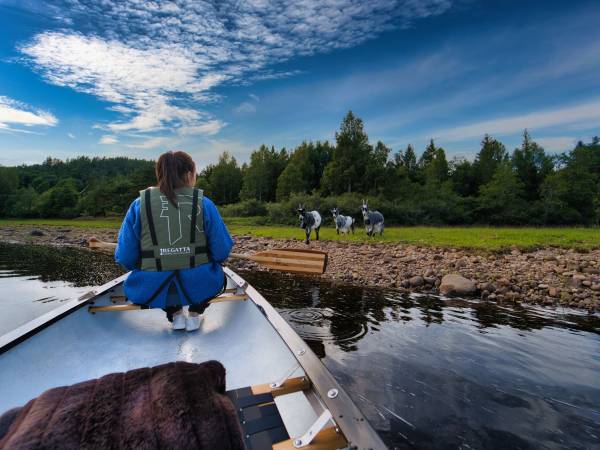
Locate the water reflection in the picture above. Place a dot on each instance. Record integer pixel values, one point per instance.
(76, 266)
(36, 279)
(452, 373)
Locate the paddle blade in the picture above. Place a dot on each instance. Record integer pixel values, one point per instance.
(97, 244)
(293, 260)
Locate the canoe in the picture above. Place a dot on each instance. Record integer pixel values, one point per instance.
(80, 340)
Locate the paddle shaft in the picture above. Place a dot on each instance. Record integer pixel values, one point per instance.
(98, 244)
(289, 260)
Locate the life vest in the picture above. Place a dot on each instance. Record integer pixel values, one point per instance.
(172, 237)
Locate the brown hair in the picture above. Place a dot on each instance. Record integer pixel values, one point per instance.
(172, 169)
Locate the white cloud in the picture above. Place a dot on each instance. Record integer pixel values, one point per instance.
(71, 135)
(13, 112)
(153, 143)
(157, 62)
(245, 108)
(208, 129)
(108, 140)
(579, 116)
(557, 143)
(254, 97)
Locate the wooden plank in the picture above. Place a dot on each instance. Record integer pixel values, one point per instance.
(292, 254)
(228, 298)
(134, 307)
(123, 298)
(298, 269)
(290, 385)
(114, 308)
(291, 261)
(326, 439)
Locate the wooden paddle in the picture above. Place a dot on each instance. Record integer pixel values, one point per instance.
(283, 259)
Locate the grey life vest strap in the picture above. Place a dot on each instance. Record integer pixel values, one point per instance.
(193, 226)
(152, 229)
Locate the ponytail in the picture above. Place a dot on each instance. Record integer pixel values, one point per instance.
(172, 169)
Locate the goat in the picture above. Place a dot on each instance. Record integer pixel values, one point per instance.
(342, 223)
(373, 220)
(309, 220)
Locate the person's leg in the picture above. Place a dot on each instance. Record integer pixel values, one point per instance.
(170, 310)
(173, 308)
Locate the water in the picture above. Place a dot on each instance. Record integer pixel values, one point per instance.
(36, 279)
(427, 372)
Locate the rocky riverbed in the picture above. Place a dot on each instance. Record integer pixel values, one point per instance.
(551, 276)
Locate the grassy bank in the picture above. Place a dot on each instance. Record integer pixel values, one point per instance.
(482, 238)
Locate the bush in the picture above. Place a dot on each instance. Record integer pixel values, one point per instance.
(246, 208)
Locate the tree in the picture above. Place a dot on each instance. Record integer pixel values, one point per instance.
(304, 169)
(224, 180)
(345, 172)
(501, 200)
(376, 169)
(463, 177)
(569, 196)
(60, 201)
(532, 166)
(23, 203)
(492, 154)
(436, 171)
(260, 178)
(9, 182)
(428, 155)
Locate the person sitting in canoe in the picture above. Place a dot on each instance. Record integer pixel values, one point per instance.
(173, 240)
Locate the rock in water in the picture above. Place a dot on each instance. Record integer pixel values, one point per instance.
(36, 233)
(457, 285)
(416, 281)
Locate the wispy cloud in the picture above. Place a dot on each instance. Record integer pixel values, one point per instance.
(13, 112)
(245, 108)
(71, 135)
(158, 62)
(579, 116)
(153, 143)
(108, 140)
(557, 143)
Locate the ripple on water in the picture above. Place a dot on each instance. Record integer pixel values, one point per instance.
(320, 323)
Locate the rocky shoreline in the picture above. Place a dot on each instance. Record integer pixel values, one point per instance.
(551, 276)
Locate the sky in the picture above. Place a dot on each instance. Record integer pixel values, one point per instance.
(137, 78)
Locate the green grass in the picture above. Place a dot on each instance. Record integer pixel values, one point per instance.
(480, 238)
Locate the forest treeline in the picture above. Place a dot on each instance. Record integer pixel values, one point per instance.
(524, 187)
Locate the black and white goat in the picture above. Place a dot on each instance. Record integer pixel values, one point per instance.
(309, 220)
(373, 220)
(342, 223)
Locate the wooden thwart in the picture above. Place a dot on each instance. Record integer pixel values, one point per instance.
(326, 439)
(290, 385)
(134, 307)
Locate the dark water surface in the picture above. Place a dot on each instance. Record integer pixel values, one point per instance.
(428, 372)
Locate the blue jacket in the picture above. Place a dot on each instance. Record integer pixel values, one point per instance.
(200, 283)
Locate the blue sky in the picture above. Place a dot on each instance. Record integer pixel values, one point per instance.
(130, 77)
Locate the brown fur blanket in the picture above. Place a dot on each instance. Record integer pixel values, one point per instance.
(175, 405)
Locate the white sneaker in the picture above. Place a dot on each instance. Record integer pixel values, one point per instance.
(179, 320)
(192, 322)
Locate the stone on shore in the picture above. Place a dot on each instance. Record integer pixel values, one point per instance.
(456, 284)
(36, 233)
